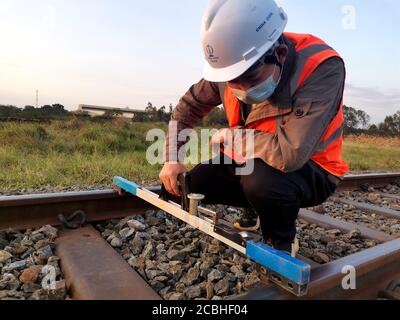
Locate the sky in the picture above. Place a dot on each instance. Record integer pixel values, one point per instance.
(125, 53)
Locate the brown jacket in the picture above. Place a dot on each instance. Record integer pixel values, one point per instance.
(306, 114)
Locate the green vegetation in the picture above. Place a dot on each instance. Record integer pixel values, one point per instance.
(73, 152)
(84, 152)
(366, 153)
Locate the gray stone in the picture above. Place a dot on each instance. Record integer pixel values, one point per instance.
(157, 285)
(161, 278)
(334, 232)
(176, 296)
(37, 237)
(321, 257)
(163, 266)
(175, 269)
(161, 214)
(335, 247)
(4, 256)
(19, 249)
(27, 253)
(231, 277)
(251, 280)
(215, 275)
(354, 234)
(126, 233)
(215, 248)
(18, 265)
(49, 231)
(14, 295)
(222, 287)
(138, 264)
(204, 273)
(180, 287)
(192, 276)
(153, 221)
(112, 236)
(3, 294)
(208, 262)
(30, 287)
(144, 235)
(209, 290)
(148, 251)
(3, 243)
(374, 198)
(193, 292)
(137, 245)
(176, 255)
(116, 242)
(163, 292)
(150, 264)
(9, 281)
(58, 294)
(136, 225)
(106, 233)
(53, 260)
(151, 274)
(42, 255)
(153, 232)
(325, 239)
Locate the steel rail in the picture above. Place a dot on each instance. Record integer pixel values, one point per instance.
(31, 211)
(376, 180)
(93, 270)
(374, 268)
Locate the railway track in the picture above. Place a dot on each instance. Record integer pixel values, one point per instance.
(93, 270)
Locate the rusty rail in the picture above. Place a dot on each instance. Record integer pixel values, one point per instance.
(377, 180)
(93, 270)
(30, 211)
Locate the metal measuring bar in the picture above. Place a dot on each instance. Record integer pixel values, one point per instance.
(280, 268)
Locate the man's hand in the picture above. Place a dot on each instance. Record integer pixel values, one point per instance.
(169, 176)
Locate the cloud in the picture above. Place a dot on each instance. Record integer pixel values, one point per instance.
(376, 102)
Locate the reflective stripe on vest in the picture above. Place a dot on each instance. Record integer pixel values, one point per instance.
(311, 52)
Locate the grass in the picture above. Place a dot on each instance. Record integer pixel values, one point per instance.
(366, 153)
(81, 152)
(74, 152)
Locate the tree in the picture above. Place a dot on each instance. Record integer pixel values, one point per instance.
(391, 125)
(355, 119)
(151, 112)
(7, 111)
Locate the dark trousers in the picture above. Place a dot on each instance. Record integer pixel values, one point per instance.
(276, 196)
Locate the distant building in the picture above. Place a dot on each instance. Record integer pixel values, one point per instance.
(100, 111)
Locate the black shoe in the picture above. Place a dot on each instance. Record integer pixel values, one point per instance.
(284, 246)
(248, 222)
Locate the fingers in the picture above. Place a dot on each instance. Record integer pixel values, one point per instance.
(169, 177)
(174, 187)
(167, 184)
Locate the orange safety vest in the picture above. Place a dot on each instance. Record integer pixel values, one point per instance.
(314, 52)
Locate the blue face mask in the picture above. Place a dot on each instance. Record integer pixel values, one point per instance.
(258, 93)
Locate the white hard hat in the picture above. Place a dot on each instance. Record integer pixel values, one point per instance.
(237, 33)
